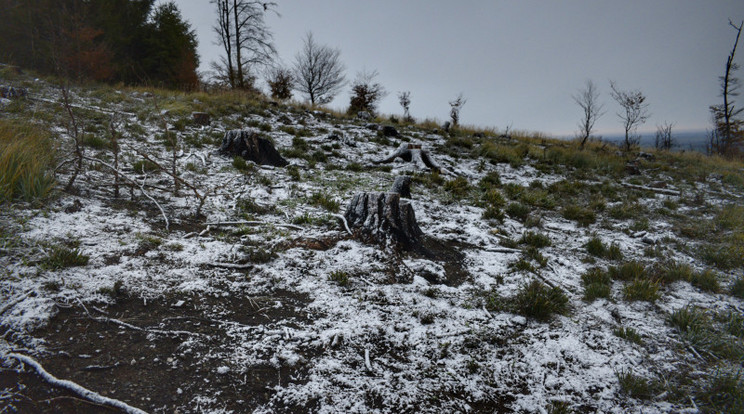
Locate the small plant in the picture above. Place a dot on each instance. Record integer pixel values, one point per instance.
(304, 218)
(614, 252)
(737, 288)
(458, 187)
(145, 167)
(597, 284)
(734, 323)
(537, 240)
(536, 300)
(340, 277)
(493, 213)
(518, 211)
(260, 255)
(628, 271)
(672, 271)
(688, 319)
(641, 289)
(629, 334)
(248, 206)
(581, 215)
(26, 159)
(636, 386)
(325, 201)
(724, 393)
(241, 165)
(294, 173)
(559, 407)
(706, 280)
(491, 180)
(62, 257)
(596, 247)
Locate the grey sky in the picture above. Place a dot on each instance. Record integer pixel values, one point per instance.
(517, 62)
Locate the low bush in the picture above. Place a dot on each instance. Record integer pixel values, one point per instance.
(581, 215)
(539, 301)
(518, 211)
(537, 240)
(641, 289)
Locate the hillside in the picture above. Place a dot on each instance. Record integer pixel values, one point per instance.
(548, 280)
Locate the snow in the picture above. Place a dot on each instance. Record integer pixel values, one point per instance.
(421, 340)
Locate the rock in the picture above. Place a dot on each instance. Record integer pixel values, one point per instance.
(372, 127)
(342, 138)
(383, 218)
(389, 131)
(632, 168)
(201, 118)
(364, 115)
(248, 144)
(648, 240)
(402, 186)
(446, 126)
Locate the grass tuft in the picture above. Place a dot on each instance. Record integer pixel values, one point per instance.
(25, 162)
(539, 301)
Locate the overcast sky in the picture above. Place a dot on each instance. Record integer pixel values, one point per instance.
(516, 62)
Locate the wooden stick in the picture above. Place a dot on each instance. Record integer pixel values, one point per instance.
(74, 387)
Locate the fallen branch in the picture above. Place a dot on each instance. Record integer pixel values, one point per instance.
(133, 181)
(652, 189)
(74, 387)
(106, 319)
(231, 265)
(253, 223)
(346, 223)
(13, 303)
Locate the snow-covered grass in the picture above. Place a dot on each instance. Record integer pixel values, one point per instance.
(567, 293)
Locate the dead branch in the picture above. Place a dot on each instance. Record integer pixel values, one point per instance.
(652, 189)
(231, 265)
(346, 223)
(74, 387)
(253, 223)
(131, 180)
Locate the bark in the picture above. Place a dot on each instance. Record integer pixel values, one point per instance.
(383, 218)
(412, 153)
(402, 186)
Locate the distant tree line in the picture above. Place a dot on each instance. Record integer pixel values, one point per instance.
(129, 41)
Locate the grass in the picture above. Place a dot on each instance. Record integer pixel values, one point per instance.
(518, 211)
(706, 280)
(629, 334)
(61, 257)
(699, 330)
(628, 271)
(642, 290)
(596, 247)
(539, 301)
(636, 386)
(339, 277)
(597, 284)
(724, 393)
(737, 287)
(26, 158)
(581, 215)
(537, 240)
(324, 200)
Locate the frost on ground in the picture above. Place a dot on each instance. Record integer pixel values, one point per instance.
(263, 302)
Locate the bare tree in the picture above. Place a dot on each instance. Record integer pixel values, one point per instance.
(281, 82)
(246, 40)
(664, 139)
(319, 72)
(455, 107)
(588, 100)
(635, 112)
(366, 93)
(405, 101)
(727, 126)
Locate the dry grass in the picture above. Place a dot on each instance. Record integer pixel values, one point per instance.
(26, 157)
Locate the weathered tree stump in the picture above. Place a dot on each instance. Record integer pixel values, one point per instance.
(389, 131)
(249, 145)
(383, 218)
(402, 186)
(201, 118)
(412, 153)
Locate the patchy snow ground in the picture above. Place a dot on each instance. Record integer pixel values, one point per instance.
(306, 342)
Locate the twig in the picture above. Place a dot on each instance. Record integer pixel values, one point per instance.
(367, 363)
(253, 223)
(652, 189)
(74, 387)
(131, 180)
(106, 319)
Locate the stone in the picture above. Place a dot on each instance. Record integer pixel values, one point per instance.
(390, 131)
(248, 144)
(446, 126)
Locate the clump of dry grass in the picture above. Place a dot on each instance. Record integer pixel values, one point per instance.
(25, 161)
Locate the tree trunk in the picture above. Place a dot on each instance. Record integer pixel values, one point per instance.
(402, 186)
(383, 218)
(412, 153)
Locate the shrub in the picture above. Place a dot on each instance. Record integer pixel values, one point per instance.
(737, 288)
(458, 187)
(518, 211)
(595, 291)
(595, 247)
(581, 215)
(596, 284)
(492, 179)
(641, 289)
(26, 158)
(536, 300)
(493, 213)
(706, 280)
(240, 164)
(493, 198)
(628, 271)
(537, 240)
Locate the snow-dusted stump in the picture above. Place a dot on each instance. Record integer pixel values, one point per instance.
(412, 153)
(402, 186)
(385, 219)
(248, 144)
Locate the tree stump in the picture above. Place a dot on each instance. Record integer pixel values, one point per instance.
(249, 145)
(412, 153)
(385, 219)
(402, 186)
